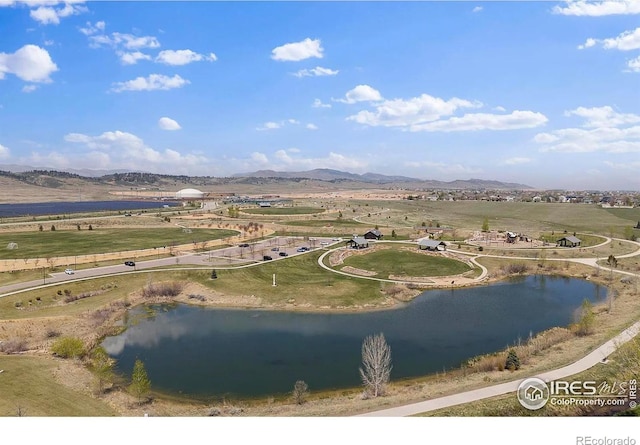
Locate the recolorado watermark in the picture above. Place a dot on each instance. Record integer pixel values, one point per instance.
(534, 393)
(590, 440)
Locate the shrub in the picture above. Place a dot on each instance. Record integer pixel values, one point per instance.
(300, 392)
(170, 289)
(513, 362)
(13, 346)
(68, 347)
(515, 268)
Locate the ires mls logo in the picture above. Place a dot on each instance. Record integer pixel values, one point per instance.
(533, 393)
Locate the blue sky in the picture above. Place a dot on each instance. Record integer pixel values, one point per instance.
(541, 93)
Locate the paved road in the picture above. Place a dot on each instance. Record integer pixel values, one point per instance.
(198, 260)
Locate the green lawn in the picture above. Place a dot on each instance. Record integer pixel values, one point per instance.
(400, 262)
(327, 222)
(28, 383)
(297, 277)
(587, 240)
(282, 210)
(84, 242)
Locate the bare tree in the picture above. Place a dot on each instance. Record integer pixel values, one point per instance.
(300, 392)
(376, 364)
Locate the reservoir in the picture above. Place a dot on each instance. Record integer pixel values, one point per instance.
(64, 208)
(205, 352)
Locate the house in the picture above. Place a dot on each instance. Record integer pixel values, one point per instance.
(569, 241)
(534, 393)
(430, 244)
(264, 204)
(511, 237)
(358, 242)
(373, 234)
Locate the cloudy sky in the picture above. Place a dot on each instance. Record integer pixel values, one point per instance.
(542, 93)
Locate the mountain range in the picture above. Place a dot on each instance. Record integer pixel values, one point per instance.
(320, 175)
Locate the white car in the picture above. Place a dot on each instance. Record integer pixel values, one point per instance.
(68, 271)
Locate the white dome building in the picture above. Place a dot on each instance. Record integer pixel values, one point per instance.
(190, 194)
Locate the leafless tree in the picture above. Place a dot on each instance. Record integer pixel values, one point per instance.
(300, 392)
(376, 364)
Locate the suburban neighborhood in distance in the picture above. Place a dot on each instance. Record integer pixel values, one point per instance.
(322, 209)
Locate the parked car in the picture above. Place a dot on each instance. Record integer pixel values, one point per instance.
(243, 245)
(283, 254)
(68, 271)
(302, 249)
(266, 258)
(129, 263)
(275, 249)
(324, 243)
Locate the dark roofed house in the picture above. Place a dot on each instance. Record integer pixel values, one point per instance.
(569, 241)
(358, 242)
(431, 244)
(373, 234)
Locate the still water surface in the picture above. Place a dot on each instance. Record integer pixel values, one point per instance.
(204, 352)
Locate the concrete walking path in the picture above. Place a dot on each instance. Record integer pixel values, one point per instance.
(591, 359)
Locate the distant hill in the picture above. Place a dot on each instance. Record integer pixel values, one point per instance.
(321, 178)
(325, 174)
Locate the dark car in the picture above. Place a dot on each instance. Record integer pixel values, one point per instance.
(266, 258)
(129, 263)
(283, 254)
(243, 245)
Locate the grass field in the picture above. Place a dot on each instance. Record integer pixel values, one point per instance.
(27, 384)
(298, 277)
(327, 223)
(84, 242)
(525, 217)
(399, 262)
(283, 210)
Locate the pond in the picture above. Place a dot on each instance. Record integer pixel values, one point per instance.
(204, 352)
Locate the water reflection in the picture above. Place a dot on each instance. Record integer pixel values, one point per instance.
(203, 352)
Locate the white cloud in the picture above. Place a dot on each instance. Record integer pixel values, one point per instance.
(499, 108)
(634, 65)
(293, 52)
(312, 127)
(166, 123)
(29, 88)
(93, 29)
(602, 117)
(317, 103)
(269, 126)
(516, 161)
(128, 41)
(627, 41)
(361, 93)
(633, 166)
(598, 8)
(289, 160)
(182, 57)
(4, 152)
(603, 131)
(132, 58)
(260, 158)
(477, 9)
(48, 42)
(30, 63)
(48, 15)
(276, 125)
(126, 150)
(150, 83)
(485, 121)
(414, 111)
(590, 42)
(317, 71)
